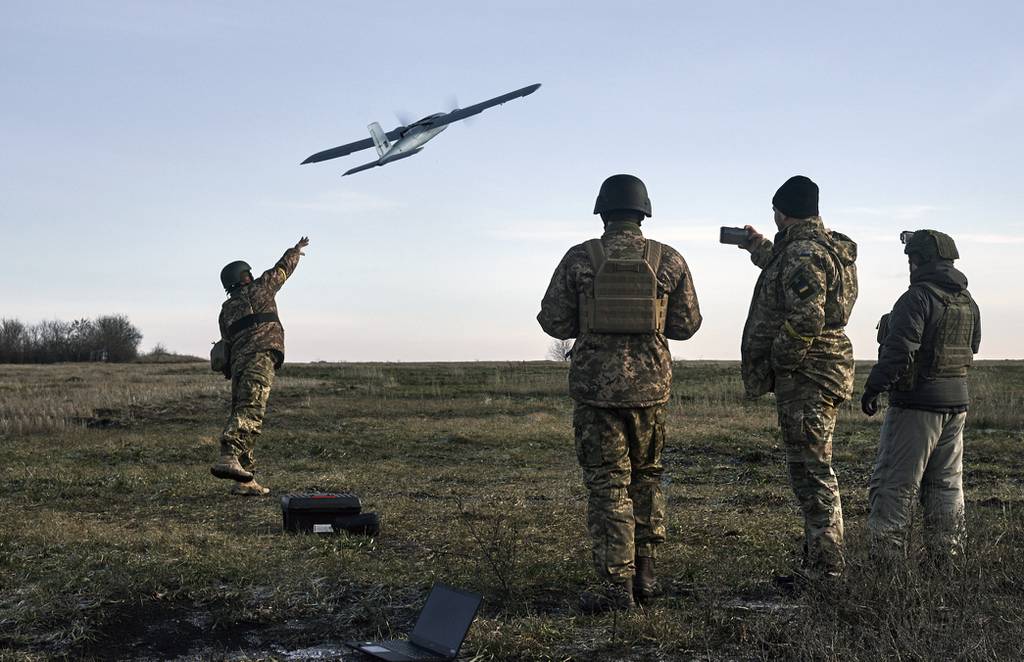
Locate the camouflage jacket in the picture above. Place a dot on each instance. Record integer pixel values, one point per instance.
(619, 370)
(798, 314)
(258, 297)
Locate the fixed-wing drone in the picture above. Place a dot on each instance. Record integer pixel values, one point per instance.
(405, 141)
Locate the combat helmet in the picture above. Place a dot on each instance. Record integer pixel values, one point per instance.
(931, 245)
(231, 275)
(623, 192)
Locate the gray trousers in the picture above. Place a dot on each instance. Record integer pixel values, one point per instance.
(920, 454)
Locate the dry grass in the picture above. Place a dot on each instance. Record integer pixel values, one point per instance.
(115, 541)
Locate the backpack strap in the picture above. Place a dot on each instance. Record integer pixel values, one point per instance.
(652, 254)
(941, 293)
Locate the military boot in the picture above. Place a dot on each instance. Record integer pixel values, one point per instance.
(228, 467)
(250, 488)
(611, 596)
(645, 585)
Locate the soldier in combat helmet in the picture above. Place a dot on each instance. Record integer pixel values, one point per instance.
(252, 332)
(795, 345)
(927, 346)
(622, 297)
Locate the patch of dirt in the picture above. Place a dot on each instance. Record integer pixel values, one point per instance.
(161, 631)
(104, 419)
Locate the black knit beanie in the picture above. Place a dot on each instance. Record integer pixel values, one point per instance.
(797, 198)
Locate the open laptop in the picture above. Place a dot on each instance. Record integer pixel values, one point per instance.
(440, 628)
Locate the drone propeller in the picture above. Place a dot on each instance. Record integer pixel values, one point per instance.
(403, 118)
(453, 105)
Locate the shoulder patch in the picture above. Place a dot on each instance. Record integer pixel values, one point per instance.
(803, 286)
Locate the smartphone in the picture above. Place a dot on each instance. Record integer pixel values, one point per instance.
(734, 236)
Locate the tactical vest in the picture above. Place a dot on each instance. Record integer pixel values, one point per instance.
(625, 295)
(945, 351)
(220, 353)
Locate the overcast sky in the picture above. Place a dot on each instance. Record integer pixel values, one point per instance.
(143, 145)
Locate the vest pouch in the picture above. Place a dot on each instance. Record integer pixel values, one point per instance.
(220, 358)
(625, 315)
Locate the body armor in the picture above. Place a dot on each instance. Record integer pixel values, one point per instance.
(945, 350)
(625, 294)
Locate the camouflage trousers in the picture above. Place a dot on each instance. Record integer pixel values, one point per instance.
(251, 379)
(807, 418)
(920, 454)
(619, 451)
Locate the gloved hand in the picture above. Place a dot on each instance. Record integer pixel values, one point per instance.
(869, 403)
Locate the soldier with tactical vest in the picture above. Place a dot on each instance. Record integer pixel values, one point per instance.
(927, 345)
(254, 338)
(795, 345)
(622, 297)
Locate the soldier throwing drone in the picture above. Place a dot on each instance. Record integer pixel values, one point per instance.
(252, 332)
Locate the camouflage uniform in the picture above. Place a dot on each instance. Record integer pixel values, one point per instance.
(620, 383)
(256, 353)
(794, 344)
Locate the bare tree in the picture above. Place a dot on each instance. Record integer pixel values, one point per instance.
(119, 337)
(560, 350)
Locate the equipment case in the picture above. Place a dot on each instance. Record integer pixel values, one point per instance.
(327, 513)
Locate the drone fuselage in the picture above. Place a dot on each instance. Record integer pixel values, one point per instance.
(413, 138)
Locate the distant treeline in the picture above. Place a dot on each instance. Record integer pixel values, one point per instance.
(108, 338)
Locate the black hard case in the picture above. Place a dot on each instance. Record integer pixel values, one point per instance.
(327, 513)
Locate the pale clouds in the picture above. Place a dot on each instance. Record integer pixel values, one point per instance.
(668, 230)
(990, 238)
(343, 202)
(895, 212)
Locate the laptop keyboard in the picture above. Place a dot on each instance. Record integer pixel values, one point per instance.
(413, 652)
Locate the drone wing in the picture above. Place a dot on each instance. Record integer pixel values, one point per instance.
(463, 113)
(345, 150)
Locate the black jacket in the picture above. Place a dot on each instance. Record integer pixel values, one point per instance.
(918, 310)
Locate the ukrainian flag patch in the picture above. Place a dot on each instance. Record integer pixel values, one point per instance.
(802, 285)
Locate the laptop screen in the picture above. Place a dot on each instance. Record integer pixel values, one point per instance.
(445, 619)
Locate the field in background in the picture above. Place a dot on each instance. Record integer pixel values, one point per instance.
(116, 541)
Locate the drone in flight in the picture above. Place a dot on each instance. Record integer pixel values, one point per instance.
(405, 141)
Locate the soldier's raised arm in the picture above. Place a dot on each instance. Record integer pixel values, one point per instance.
(683, 317)
(760, 248)
(275, 276)
(559, 309)
(804, 280)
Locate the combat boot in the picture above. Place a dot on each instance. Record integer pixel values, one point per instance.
(250, 488)
(645, 585)
(228, 467)
(611, 596)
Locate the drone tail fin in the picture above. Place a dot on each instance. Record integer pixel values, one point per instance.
(380, 139)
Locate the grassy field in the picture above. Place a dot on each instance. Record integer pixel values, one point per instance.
(115, 542)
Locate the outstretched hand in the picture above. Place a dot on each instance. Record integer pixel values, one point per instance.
(869, 403)
(302, 243)
(753, 237)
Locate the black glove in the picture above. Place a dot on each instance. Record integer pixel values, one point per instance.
(869, 403)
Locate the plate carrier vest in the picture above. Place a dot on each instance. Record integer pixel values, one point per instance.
(946, 352)
(625, 295)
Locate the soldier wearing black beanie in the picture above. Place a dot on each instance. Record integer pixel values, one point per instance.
(797, 198)
(795, 345)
